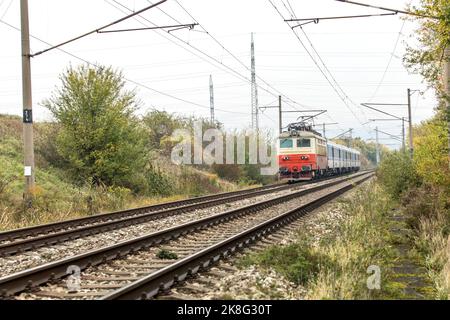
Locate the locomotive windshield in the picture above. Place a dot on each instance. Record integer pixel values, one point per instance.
(286, 143)
(304, 143)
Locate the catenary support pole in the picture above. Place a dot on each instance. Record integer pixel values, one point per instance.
(28, 139)
(447, 94)
(378, 147)
(403, 135)
(411, 138)
(280, 114)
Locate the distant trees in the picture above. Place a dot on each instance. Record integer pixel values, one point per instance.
(160, 126)
(99, 139)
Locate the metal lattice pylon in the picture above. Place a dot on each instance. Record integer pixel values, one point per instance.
(254, 94)
(211, 98)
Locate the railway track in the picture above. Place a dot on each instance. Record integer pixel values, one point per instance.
(73, 223)
(208, 283)
(22, 240)
(226, 279)
(131, 268)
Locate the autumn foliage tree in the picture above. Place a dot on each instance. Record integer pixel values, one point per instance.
(427, 57)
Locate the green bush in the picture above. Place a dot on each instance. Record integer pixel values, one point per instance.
(396, 174)
(158, 183)
(228, 172)
(45, 146)
(297, 262)
(160, 126)
(164, 254)
(100, 139)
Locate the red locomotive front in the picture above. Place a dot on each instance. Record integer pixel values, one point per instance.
(302, 154)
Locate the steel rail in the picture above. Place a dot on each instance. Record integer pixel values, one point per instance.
(46, 235)
(163, 279)
(36, 276)
(33, 243)
(72, 223)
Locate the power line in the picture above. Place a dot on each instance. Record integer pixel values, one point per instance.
(220, 64)
(232, 54)
(173, 27)
(126, 79)
(345, 96)
(390, 60)
(391, 10)
(99, 29)
(292, 13)
(344, 99)
(239, 60)
(317, 20)
(7, 9)
(369, 106)
(233, 71)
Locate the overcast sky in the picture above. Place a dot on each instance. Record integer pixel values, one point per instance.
(178, 65)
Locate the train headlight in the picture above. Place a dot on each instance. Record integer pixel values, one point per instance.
(286, 158)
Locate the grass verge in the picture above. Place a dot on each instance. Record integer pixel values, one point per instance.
(428, 212)
(336, 265)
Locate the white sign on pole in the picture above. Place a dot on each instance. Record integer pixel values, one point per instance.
(27, 171)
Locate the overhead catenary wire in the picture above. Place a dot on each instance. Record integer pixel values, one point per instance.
(99, 29)
(390, 60)
(7, 8)
(233, 71)
(173, 27)
(187, 46)
(292, 13)
(220, 62)
(277, 92)
(289, 100)
(237, 59)
(317, 20)
(126, 79)
(316, 63)
(391, 10)
(345, 96)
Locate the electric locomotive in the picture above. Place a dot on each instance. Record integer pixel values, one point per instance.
(304, 154)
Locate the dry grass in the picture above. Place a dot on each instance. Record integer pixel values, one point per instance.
(435, 246)
(429, 217)
(13, 217)
(362, 241)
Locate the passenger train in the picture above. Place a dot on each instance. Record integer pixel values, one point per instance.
(304, 154)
